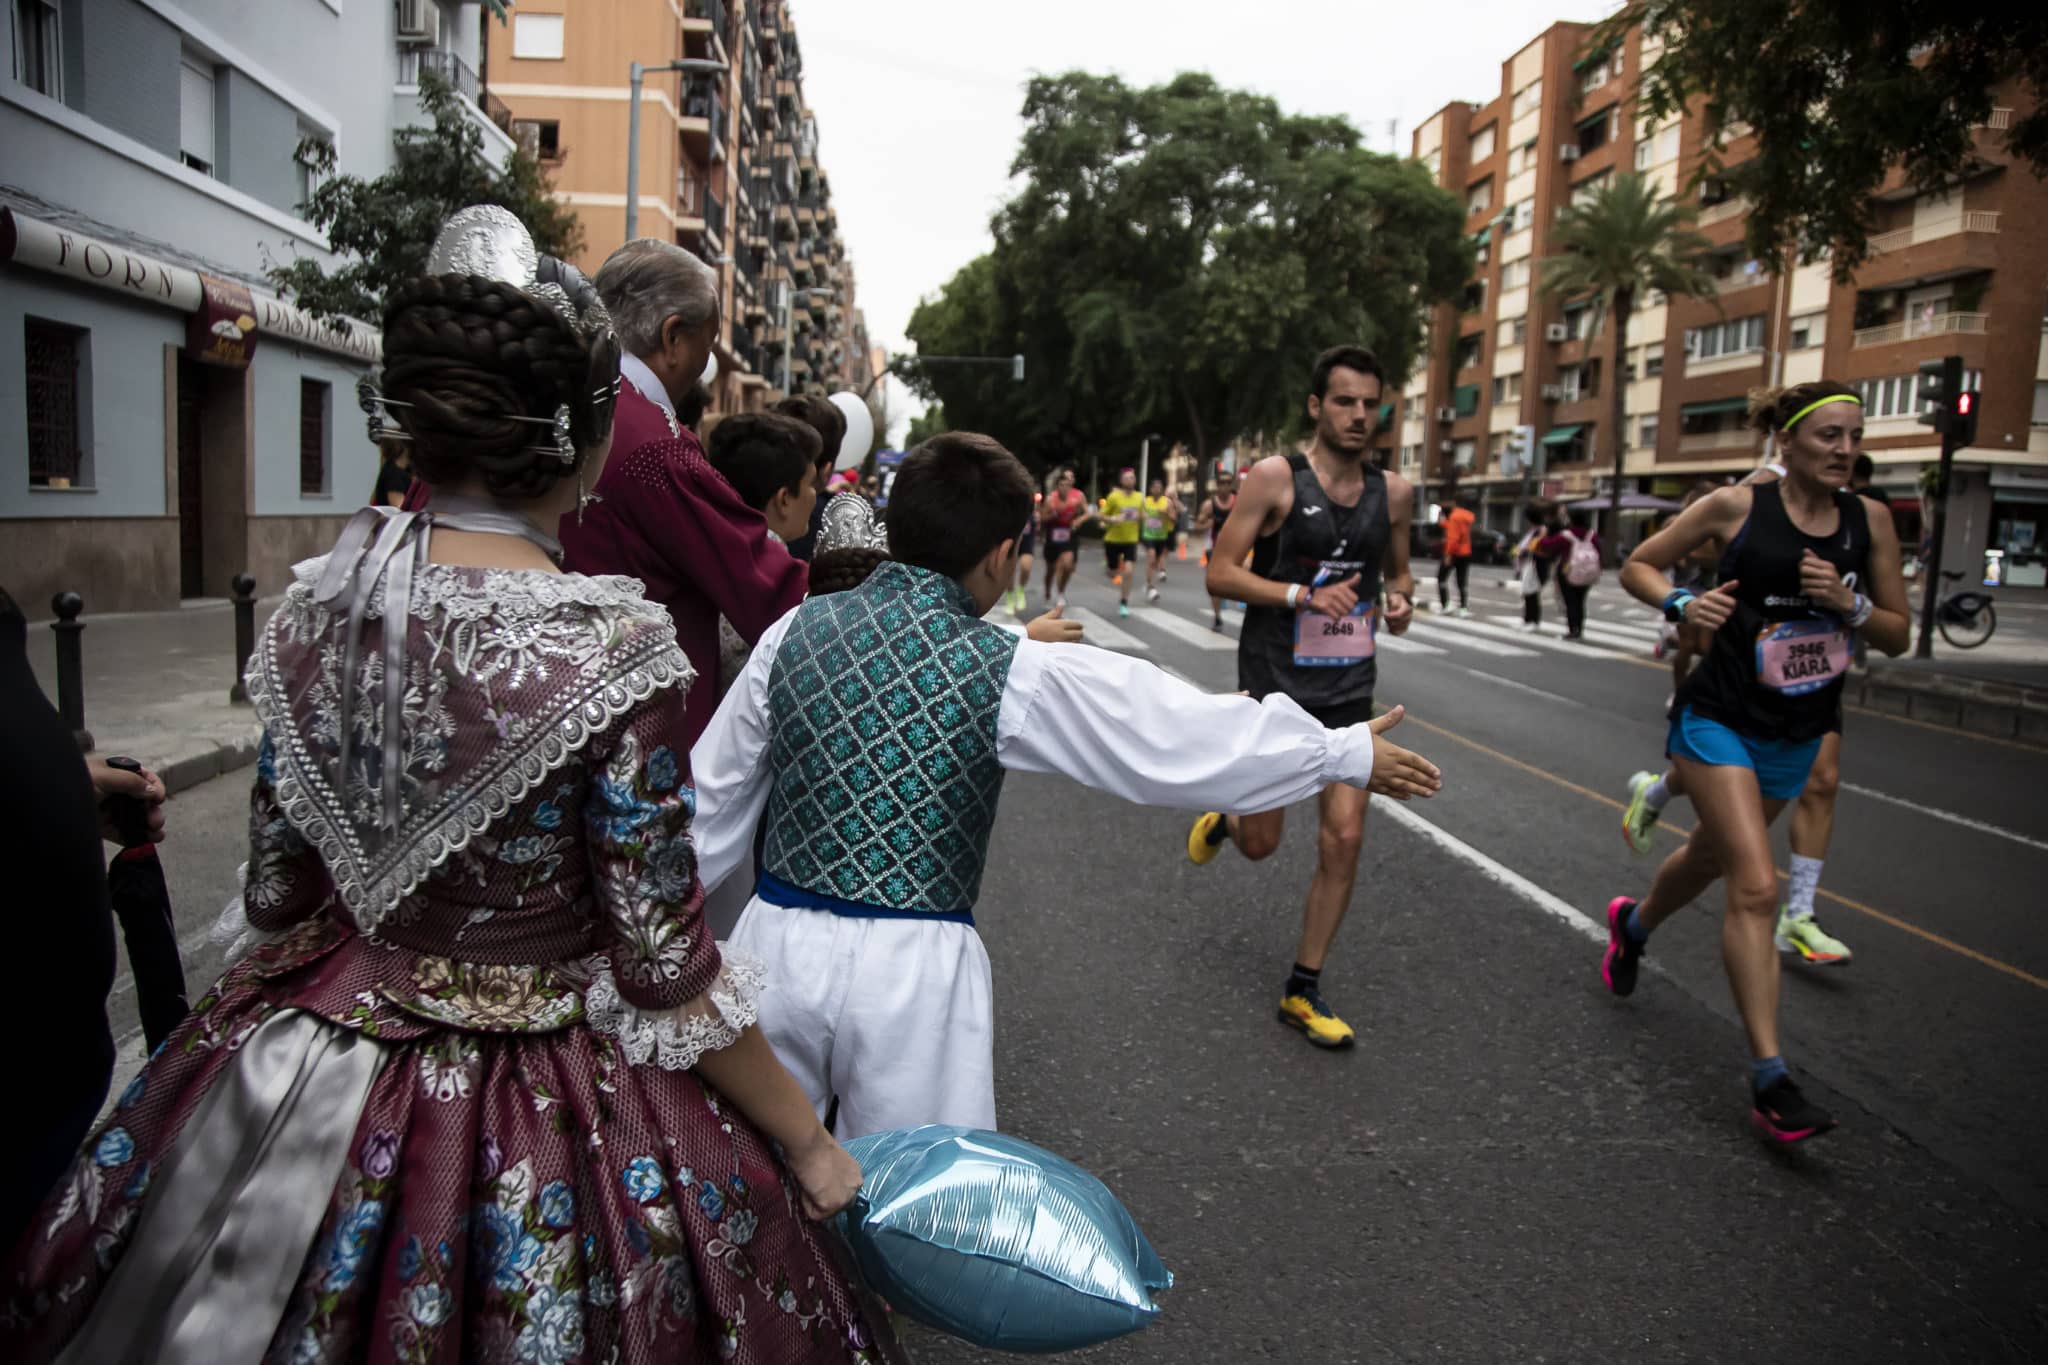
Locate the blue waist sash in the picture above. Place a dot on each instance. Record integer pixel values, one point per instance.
(775, 891)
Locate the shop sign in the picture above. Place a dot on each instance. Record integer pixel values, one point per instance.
(61, 251)
(223, 330)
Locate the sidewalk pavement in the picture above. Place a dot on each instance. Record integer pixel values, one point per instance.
(156, 687)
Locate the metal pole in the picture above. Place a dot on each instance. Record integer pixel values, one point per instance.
(1144, 465)
(638, 73)
(788, 294)
(1931, 570)
(71, 666)
(245, 633)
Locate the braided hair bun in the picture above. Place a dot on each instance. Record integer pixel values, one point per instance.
(465, 358)
(844, 569)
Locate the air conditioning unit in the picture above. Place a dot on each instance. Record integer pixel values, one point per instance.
(1447, 445)
(1556, 331)
(419, 21)
(1553, 391)
(1568, 152)
(1446, 414)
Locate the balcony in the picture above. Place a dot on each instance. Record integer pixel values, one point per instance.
(705, 16)
(1721, 212)
(714, 217)
(703, 122)
(1711, 442)
(486, 111)
(689, 200)
(1912, 329)
(1976, 220)
(443, 63)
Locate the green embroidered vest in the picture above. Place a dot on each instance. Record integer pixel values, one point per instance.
(884, 702)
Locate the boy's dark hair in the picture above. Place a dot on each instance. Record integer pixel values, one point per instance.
(691, 410)
(956, 497)
(1865, 469)
(828, 421)
(762, 453)
(1343, 357)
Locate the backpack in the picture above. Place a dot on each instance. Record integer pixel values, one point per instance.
(1582, 565)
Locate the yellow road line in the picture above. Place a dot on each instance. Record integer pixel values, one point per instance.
(1684, 832)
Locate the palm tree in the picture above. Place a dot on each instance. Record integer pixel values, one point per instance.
(1620, 243)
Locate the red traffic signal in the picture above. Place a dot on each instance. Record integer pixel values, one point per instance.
(1963, 419)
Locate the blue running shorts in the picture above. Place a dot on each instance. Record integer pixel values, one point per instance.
(1780, 765)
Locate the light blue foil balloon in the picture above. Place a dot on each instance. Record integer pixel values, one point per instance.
(991, 1239)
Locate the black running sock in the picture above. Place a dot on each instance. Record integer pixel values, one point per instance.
(1303, 980)
(1218, 832)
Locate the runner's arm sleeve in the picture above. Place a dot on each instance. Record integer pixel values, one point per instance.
(729, 766)
(1125, 727)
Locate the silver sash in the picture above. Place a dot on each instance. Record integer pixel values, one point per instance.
(226, 1227)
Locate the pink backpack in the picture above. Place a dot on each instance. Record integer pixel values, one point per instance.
(1582, 565)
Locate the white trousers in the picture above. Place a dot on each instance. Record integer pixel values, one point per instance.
(894, 1016)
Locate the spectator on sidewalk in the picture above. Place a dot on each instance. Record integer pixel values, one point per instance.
(830, 424)
(51, 820)
(663, 514)
(1576, 552)
(394, 475)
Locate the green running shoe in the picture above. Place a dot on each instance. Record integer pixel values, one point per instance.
(1638, 820)
(1803, 937)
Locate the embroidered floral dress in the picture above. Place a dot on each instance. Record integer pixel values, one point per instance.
(442, 1110)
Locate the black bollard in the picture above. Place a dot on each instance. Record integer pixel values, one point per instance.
(245, 632)
(71, 666)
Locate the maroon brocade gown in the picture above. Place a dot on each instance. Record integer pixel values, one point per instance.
(442, 1111)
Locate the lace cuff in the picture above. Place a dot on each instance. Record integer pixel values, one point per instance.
(674, 1039)
(235, 933)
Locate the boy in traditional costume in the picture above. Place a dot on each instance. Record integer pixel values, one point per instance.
(871, 731)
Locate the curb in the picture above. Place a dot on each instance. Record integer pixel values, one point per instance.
(1982, 707)
(188, 769)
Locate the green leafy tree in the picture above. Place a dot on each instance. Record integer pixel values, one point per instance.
(926, 425)
(1618, 245)
(381, 229)
(1174, 260)
(1839, 92)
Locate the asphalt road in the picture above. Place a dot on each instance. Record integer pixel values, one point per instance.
(1511, 1165)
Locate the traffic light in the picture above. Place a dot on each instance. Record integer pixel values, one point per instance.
(1941, 384)
(1962, 422)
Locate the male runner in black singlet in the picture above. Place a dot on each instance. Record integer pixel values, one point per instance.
(1322, 527)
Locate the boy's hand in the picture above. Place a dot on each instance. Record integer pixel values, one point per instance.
(1395, 771)
(1052, 628)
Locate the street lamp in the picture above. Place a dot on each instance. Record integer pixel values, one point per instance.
(689, 66)
(788, 303)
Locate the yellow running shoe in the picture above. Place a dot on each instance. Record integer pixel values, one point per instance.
(1801, 936)
(1203, 842)
(1638, 819)
(1306, 1011)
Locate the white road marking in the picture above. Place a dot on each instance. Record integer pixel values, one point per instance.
(1469, 640)
(1965, 821)
(1097, 631)
(1187, 632)
(1402, 644)
(1623, 637)
(1557, 908)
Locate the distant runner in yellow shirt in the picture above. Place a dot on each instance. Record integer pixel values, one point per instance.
(1155, 532)
(1122, 510)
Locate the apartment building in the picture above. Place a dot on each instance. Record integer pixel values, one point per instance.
(1508, 365)
(171, 423)
(729, 168)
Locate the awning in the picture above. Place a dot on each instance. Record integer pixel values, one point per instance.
(1465, 399)
(1716, 405)
(1386, 412)
(1484, 235)
(1564, 435)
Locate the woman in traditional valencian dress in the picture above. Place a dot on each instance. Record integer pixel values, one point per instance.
(485, 1090)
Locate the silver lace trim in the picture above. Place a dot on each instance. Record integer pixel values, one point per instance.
(673, 1039)
(234, 933)
(508, 777)
(451, 590)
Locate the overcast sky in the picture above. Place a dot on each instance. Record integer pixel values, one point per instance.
(917, 100)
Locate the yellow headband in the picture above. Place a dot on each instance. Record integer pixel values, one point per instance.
(1821, 403)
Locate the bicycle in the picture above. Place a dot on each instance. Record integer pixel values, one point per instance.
(1965, 619)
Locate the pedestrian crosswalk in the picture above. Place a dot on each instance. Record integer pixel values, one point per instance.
(1495, 635)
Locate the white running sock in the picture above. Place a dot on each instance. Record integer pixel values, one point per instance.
(1805, 881)
(1657, 795)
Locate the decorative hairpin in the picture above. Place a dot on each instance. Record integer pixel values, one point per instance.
(563, 447)
(373, 405)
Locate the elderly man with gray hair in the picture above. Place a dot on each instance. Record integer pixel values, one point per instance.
(664, 515)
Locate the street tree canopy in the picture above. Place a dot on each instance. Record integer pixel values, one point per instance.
(1838, 93)
(1173, 262)
(383, 228)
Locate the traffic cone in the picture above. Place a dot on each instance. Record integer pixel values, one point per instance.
(1183, 549)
